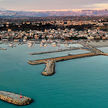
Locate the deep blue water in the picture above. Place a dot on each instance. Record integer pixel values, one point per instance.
(78, 83)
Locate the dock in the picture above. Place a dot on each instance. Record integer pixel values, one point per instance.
(15, 99)
(59, 50)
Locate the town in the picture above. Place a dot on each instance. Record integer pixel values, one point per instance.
(53, 28)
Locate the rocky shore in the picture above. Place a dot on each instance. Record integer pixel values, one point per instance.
(15, 99)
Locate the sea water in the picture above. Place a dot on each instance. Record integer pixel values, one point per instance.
(77, 83)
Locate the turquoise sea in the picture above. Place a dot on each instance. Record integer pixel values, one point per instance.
(78, 83)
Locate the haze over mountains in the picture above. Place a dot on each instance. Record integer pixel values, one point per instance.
(53, 13)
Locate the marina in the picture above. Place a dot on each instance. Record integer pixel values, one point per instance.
(27, 79)
(50, 62)
(53, 54)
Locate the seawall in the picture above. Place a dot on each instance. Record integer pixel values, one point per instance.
(64, 58)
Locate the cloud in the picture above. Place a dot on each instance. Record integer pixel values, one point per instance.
(101, 5)
(98, 6)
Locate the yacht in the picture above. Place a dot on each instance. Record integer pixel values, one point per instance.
(12, 45)
(54, 44)
(30, 44)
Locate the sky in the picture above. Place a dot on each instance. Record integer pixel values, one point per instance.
(49, 5)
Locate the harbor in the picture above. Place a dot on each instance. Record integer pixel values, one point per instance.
(53, 54)
(50, 62)
(28, 81)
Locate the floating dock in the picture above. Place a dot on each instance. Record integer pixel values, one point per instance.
(15, 99)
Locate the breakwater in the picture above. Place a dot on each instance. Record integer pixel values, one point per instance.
(15, 98)
(105, 54)
(50, 62)
(57, 59)
(49, 69)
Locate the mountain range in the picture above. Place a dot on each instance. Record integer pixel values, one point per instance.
(53, 13)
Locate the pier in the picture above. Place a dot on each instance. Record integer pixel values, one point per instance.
(15, 99)
(59, 50)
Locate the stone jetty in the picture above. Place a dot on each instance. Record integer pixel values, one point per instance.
(15, 99)
(50, 68)
(64, 58)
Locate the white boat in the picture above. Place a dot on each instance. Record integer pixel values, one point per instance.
(12, 45)
(54, 44)
(30, 44)
(41, 44)
(24, 40)
(66, 45)
(45, 45)
(3, 48)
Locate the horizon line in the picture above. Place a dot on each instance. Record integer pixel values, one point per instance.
(59, 10)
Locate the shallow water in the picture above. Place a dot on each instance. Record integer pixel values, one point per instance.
(78, 83)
